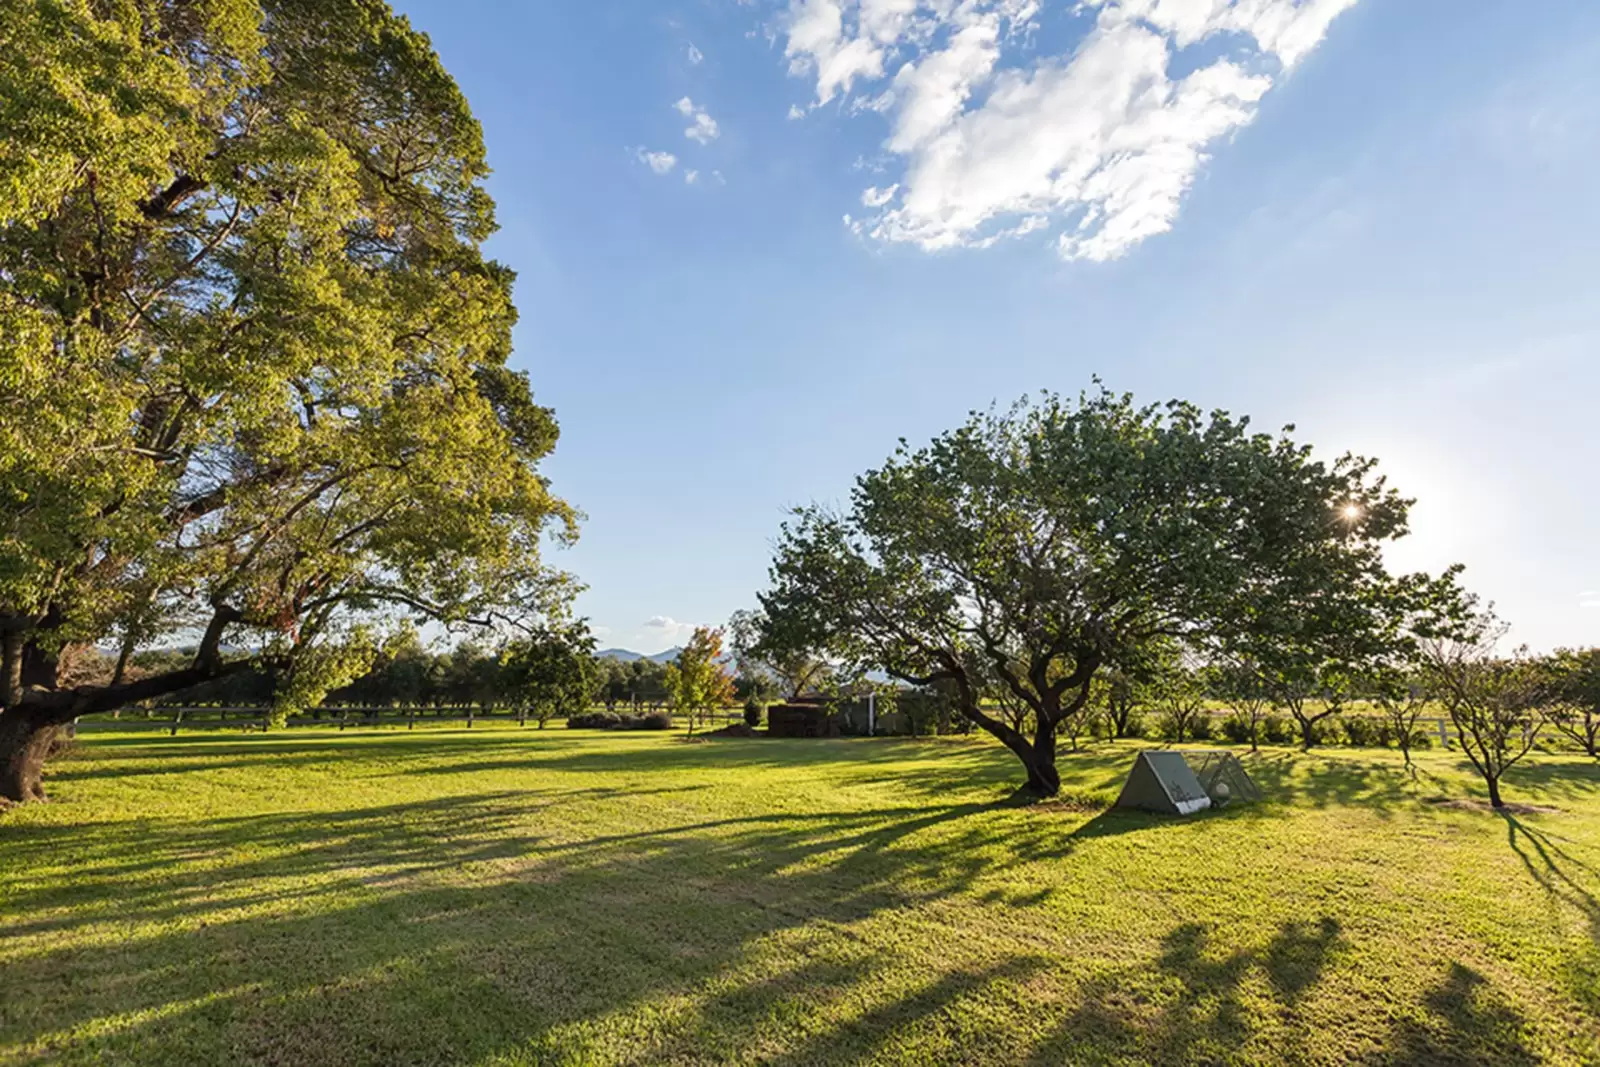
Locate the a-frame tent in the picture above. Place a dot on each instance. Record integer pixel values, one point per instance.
(1161, 781)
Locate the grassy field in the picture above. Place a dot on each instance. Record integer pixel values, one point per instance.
(503, 896)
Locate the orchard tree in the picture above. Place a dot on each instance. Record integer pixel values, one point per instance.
(1400, 691)
(1495, 701)
(1181, 694)
(697, 680)
(1239, 682)
(1035, 548)
(1121, 694)
(253, 362)
(1574, 697)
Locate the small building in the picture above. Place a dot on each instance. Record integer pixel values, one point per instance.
(801, 720)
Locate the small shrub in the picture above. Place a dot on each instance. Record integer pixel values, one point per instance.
(1137, 726)
(1275, 730)
(752, 713)
(594, 720)
(1382, 732)
(1329, 731)
(1422, 739)
(1202, 727)
(609, 720)
(1360, 731)
(1236, 728)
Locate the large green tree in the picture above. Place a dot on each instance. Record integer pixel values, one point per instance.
(1035, 548)
(253, 364)
(553, 672)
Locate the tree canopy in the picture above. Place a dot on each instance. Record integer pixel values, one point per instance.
(1031, 549)
(253, 363)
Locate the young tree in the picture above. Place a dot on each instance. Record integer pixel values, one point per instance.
(1494, 701)
(253, 362)
(552, 672)
(1239, 682)
(697, 680)
(1043, 545)
(1574, 697)
(1121, 695)
(1401, 693)
(1180, 693)
(1310, 688)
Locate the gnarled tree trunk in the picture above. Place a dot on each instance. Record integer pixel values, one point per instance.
(25, 740)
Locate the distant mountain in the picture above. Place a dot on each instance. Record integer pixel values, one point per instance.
(624, 655)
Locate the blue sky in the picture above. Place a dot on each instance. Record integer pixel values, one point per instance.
(1376, 219)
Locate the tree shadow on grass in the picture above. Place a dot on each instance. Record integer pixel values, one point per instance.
(304, 938)
(1314, 780)
(357, 937)
(1464, 1022)
(1557, 871)
(1199, 1014)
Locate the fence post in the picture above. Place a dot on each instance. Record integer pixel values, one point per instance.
(411, 717)
(344, 717)
(176, 719)
(1444, 737)
(522, 714)
(470, 709)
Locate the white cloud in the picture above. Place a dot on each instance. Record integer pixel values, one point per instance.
(875, 197)
(995, 141)
(664, 628)
(660, 162)
(696, 57)
(690, 177)
(704, 129)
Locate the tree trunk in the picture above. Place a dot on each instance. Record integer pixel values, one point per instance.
(25, 741)
(1494, 792)
(1306, 740)
(1043, 778)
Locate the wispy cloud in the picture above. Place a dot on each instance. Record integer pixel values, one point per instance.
(703, 128)
(660, 162)
(1100, 143)
(696, 57)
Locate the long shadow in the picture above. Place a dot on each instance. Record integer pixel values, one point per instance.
(356, 936)
(1552, 868)
(1202, 1020)
(299, 983)
(1466, 1022)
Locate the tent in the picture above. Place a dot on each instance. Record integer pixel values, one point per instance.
(1161, 781)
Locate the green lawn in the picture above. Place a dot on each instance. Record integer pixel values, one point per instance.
(518, 896)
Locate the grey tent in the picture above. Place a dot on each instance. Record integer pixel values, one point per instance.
(1161, 781)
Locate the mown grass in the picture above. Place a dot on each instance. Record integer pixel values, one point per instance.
(506, 897)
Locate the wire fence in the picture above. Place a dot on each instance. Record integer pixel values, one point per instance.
(249, 718)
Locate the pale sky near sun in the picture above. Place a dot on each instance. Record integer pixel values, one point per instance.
(759, 241)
